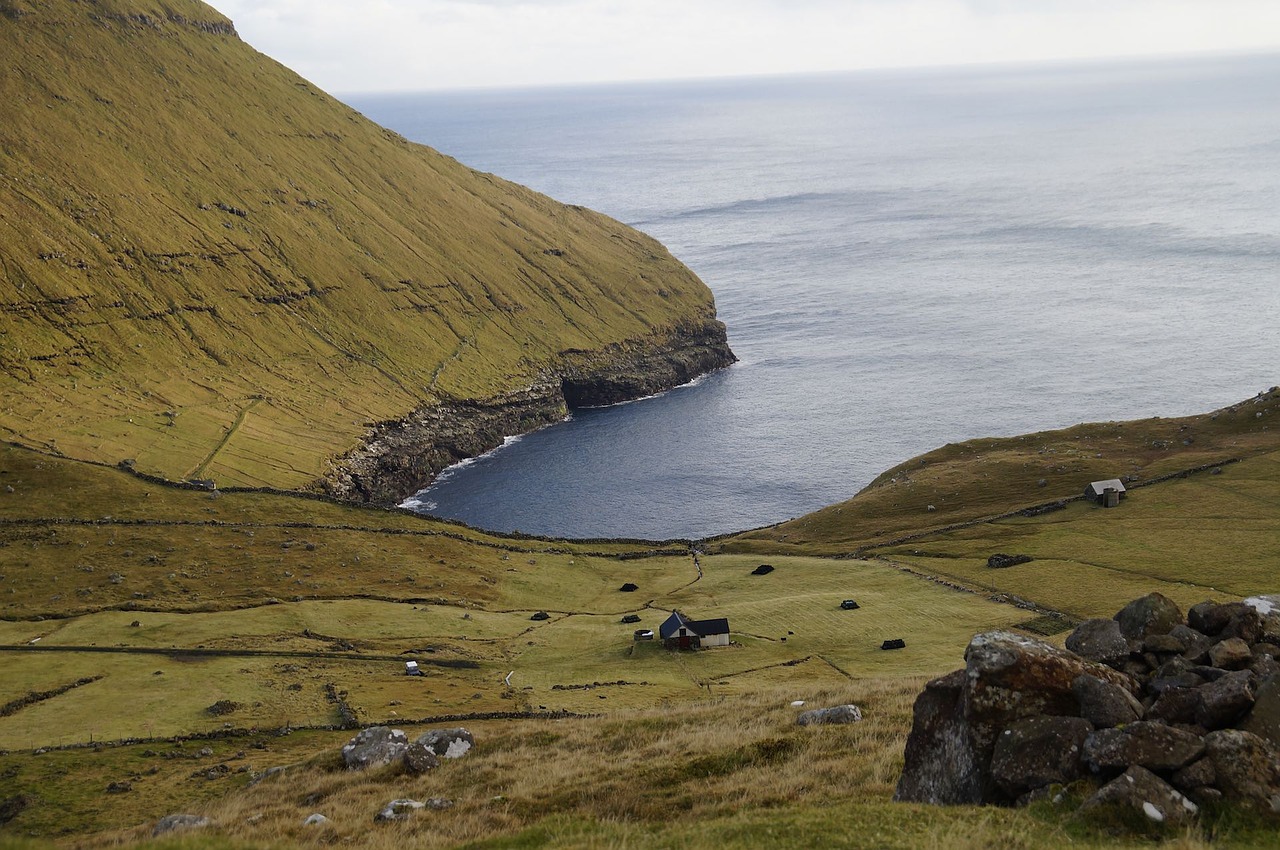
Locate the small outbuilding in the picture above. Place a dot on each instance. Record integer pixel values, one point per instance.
(1107, 493)
(679, 632)
(411, 669)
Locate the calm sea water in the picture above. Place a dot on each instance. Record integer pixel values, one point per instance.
(903, 260)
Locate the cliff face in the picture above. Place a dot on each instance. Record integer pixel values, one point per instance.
(398, 458)
(213, 269)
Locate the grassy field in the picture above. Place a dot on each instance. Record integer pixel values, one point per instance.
(978, 479)
(274, 605)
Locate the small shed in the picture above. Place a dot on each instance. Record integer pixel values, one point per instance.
(411, 669)
(1107, 493)
(679, 632)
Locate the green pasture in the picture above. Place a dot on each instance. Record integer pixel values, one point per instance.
(1206, 536)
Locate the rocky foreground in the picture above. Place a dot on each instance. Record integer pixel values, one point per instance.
(1154, 714)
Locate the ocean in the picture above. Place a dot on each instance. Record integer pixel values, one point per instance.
(903, 260)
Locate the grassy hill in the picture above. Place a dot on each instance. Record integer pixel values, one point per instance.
(984, 478)
(212, 268)
(128, 609)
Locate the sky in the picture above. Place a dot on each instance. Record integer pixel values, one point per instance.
(415, 45)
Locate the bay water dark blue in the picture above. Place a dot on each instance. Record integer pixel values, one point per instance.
(903, 260)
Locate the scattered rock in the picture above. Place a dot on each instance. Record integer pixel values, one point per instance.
(1153, 614)
(448, 743)
(1039, 751)
(941, 764)
(11, 807)
(1230, 654)
(1099, 640)
(1020, 718)
(834, 715)
(374, 747)
(419, 758)
(1247, 767)
(1226, 700)
(1104, 703)
(762, 570)
(222, 707)
(124, 786)
(1264, 719)
(1149, 744)
(175, 823)
(1140, 791)
(398, 810)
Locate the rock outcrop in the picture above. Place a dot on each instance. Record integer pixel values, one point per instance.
(396, 459)
(1186, 714)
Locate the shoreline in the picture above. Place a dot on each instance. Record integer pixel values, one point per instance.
(398, 459)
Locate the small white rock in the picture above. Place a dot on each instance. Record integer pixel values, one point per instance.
(1153, 813)
(316, 819)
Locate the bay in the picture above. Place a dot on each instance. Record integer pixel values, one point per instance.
(903, 260)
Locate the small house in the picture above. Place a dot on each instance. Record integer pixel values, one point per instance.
(1106, 493)
(679, 632)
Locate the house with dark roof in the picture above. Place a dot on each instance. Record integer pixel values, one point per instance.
(1106, 493)
(679, 632)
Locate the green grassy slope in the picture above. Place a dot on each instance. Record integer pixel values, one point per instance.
(976, 479)
(210, 266)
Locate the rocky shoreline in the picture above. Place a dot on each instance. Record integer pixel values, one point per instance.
(398, 458)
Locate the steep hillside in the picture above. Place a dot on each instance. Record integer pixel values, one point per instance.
(213, 269)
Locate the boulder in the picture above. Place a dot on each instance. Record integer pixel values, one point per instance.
(1230, 654)
(1039, 751)
(762, 570)
(1152, 745)
(631, 618)
(418, 758)
(1011, 677)
(629, 587)
(1198, 774)
(1166, 644)
(1153, 614)
(177, 823)
(398, 810)
(940, 763)
(1175, 705)
(1208, 617)
(1247, 767)
(1140, 791)
(835, 715)
(1194, 644)
(539, 616)
(1264, 718)
(893, 643)
(374, 747)
(315, 819)
(448, 743)
(1099, 640)
(1243, 622)
(1226, 700)
(1104, 703)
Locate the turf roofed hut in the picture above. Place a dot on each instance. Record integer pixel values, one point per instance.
(679, 632)
(1106, 493)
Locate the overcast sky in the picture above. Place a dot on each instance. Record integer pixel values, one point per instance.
(397, 45)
